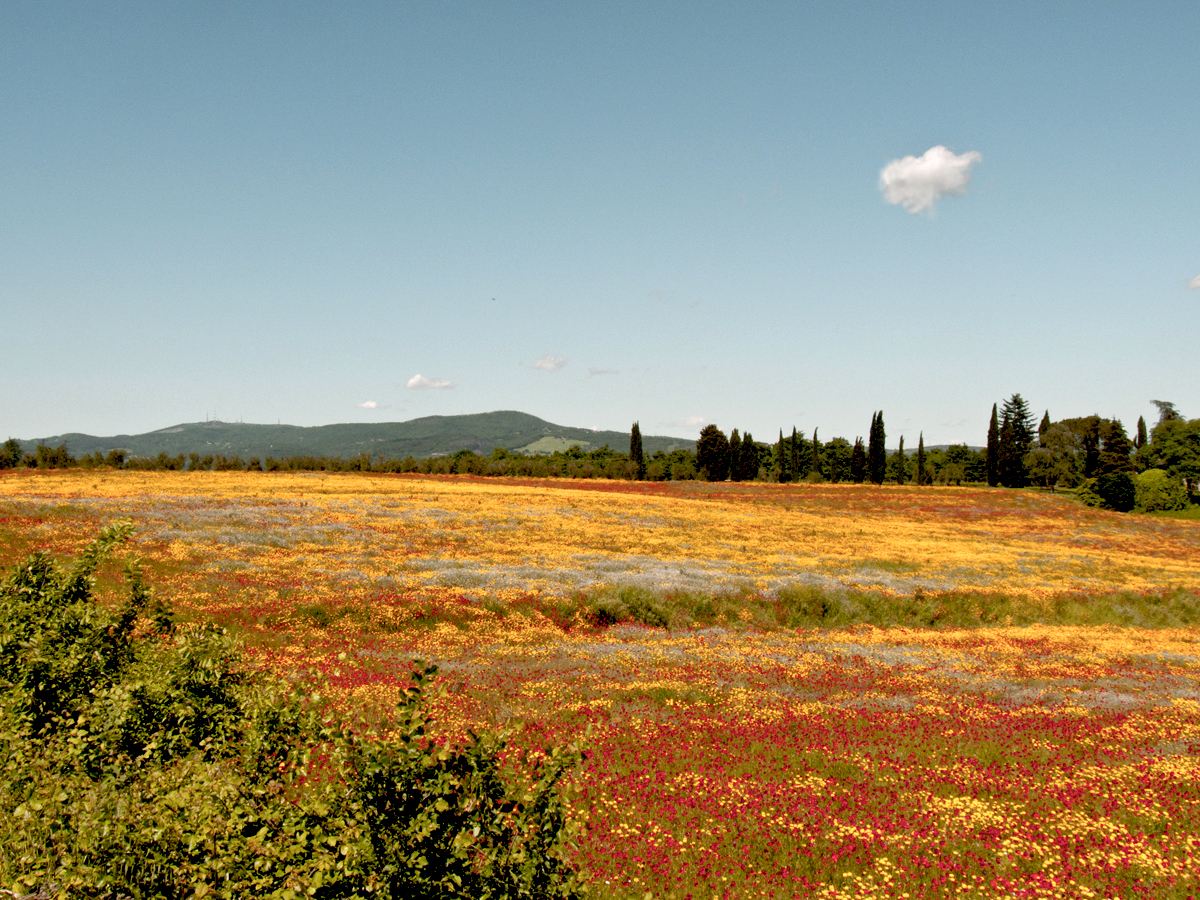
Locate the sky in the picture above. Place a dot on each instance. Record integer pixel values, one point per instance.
(759, 215)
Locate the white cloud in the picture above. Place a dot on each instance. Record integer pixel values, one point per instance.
(550, 362)
(419, 383)
(594, 371)
(367, 404)
(691, 422)
(916, 182)
(1194, 284)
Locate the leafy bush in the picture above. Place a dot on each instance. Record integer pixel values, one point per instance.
(1118, 490)
(1114, 490)
(140, 760)
(1158, 491)
(630, 604)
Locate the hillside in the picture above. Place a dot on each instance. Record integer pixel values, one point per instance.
(428, 436)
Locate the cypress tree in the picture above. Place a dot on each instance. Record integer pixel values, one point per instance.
(921, 459)
(1043, 428)
(781, 460)
(815, 468)
(1091, 446)
(858, 461)
(635, 453)
(1140, 440)
(735, 456)
(795, 454)
(993, 450)
(901, 463)
(876, 449)
(747, 459)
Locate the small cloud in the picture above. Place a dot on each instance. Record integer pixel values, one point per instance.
(1194, 284)
(916, 182)
(691, 422)
(419, 383)
(367, 404)
(593, 371)
(550, 362)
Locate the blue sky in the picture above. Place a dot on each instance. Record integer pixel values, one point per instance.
(289, 212)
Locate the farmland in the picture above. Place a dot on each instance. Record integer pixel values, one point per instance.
(786, 690)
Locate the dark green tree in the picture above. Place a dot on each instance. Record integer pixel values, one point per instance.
(712, 453)
(876, 450)
(782, 458)
(858, 462)
(11, 454)
(1043, 428)
(799, 458)
(635, 453)
(748, 460)
(1140, 441)
(838, 457)
(1016, 437)
(921, 459)
(1116, 451)
(1091, 446)
(735, 456)
(899, 464)
(993, 450)
(816, 455)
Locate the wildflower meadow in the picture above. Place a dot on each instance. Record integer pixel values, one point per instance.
(826, 691)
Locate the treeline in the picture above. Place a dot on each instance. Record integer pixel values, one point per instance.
(1092, 455)
(1156, 469)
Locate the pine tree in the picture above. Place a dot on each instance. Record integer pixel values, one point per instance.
(1016, 437)
(1116, 451)
(993, 450)
(735, 456)
(858, 461)
(876, 450)
(635, 453)
(921, 459)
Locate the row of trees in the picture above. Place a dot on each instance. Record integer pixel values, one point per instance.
(1069, 452)
(1066, 454)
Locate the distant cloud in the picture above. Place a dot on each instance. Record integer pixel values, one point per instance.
(550, 362)
(691, 422)
(419, 383)
(367, 404)
(593, 371)
(916, 182)
(1194, 284)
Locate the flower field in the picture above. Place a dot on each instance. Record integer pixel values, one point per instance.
(735, 753)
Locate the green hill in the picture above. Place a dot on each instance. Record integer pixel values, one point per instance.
(429, 436)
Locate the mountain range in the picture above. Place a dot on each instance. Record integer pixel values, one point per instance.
(419, 438)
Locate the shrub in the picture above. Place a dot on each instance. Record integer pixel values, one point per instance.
(1157, 490)
(141, 760)
(1118, 490)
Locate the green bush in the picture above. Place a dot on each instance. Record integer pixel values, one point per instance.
(1118, 490)
(1115, 490)
(141, 760)
(1158, 491)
